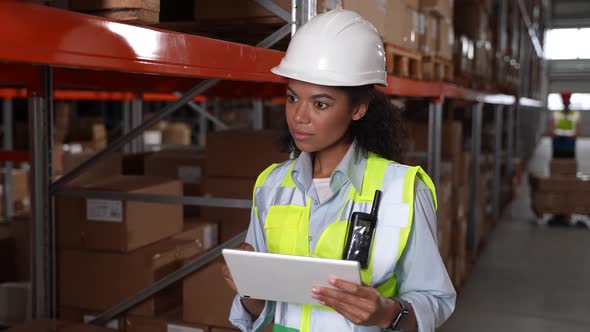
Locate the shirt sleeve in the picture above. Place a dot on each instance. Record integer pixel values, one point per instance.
(238, 316)
(422, 276)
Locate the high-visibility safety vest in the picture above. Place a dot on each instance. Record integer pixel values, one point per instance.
(565, 122)
(287, 232)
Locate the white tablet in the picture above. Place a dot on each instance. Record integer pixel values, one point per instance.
(285, 278)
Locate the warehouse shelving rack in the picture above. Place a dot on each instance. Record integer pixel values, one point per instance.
(46, 53)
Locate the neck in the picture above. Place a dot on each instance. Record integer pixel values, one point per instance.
(326, 161)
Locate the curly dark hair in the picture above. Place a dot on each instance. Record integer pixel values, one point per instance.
(379, 131)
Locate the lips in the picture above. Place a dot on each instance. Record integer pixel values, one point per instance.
(300, 135)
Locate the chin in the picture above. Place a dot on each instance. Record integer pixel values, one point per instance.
(306, 147)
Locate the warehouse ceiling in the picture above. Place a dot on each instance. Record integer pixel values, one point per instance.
(569, 13)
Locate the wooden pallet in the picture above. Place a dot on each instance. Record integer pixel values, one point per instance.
(130, 11)
(403, 63)
(437, 69)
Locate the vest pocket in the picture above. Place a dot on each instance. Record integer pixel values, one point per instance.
(282, 226)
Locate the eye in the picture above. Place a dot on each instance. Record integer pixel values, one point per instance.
(320, 105)
(291, 99)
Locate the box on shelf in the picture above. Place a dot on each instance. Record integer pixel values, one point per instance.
(8, 272)
(55, 326)
(207, 298)
(249, 9)
(445, 40)
(231, 221)
(85, 316)
(168, 322)
(184, 165)
(203, 231)
(442, 8)
(133, 163)
(15, 303)
(429, 39)
(139, 11)
(224, 148)
(110, 165)
(97, 280)
(177, 133)
(398, 22)
(118, 225)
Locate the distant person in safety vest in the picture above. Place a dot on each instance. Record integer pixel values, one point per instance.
(564, 127)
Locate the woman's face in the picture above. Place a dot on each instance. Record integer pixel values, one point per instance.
(319, 116)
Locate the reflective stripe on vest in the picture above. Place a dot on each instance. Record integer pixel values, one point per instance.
(287, 230)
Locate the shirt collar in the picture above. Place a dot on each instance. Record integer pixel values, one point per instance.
(350, 169)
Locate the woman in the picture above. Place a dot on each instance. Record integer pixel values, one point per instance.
(345, 135)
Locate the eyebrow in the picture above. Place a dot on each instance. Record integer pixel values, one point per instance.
(321, 95)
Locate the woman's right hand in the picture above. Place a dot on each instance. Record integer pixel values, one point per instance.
(253, 306)
(225, 270)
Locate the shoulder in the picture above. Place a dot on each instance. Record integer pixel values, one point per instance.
(274, 174)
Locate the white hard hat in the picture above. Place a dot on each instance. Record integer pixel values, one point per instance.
(338, 48)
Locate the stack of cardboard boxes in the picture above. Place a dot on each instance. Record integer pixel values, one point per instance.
(472, 22)
(437, 38)
(563, 192)
(109, 249)
(452, 191)
(254, 151)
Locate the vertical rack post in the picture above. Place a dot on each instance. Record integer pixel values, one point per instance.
(498, 119)
(476, 129)
(8, 145)
(435, 116)
(43, 281)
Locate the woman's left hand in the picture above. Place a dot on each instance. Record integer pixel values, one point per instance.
(359, 304)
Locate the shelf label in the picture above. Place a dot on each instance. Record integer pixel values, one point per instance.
(190, 174)
(104, 210)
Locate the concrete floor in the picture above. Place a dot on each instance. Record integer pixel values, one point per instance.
(529, 277)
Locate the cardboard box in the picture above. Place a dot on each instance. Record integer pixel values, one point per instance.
(471, 20)
(133, 164)
(96, 280)
(442, 8)
(184, 165)
(177, 133)
(207, 299)
(58, 162)
(168, 322)
(429, 39)
(459, 238)
(398, 22)
(85, 316)
(21, 231)
(232, 221)
(203, 231)
(56, 326)
(445, 40)
(225, 148)
(15, 303)
(20, 183)
(563, 167)
(7, 254)
(91, 5)
(249, 9)
(99, 224)
(110, 165)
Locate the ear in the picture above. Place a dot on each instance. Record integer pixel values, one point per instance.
(359, 111)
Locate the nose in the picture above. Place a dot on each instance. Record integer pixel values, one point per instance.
(300, 113)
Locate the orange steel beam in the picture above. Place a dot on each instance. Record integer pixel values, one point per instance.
(69, 39)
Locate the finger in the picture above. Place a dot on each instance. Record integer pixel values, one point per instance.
(350, 312)
(351, 287)
(336, 295)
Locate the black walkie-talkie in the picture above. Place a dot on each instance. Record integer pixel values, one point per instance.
(361, 229)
